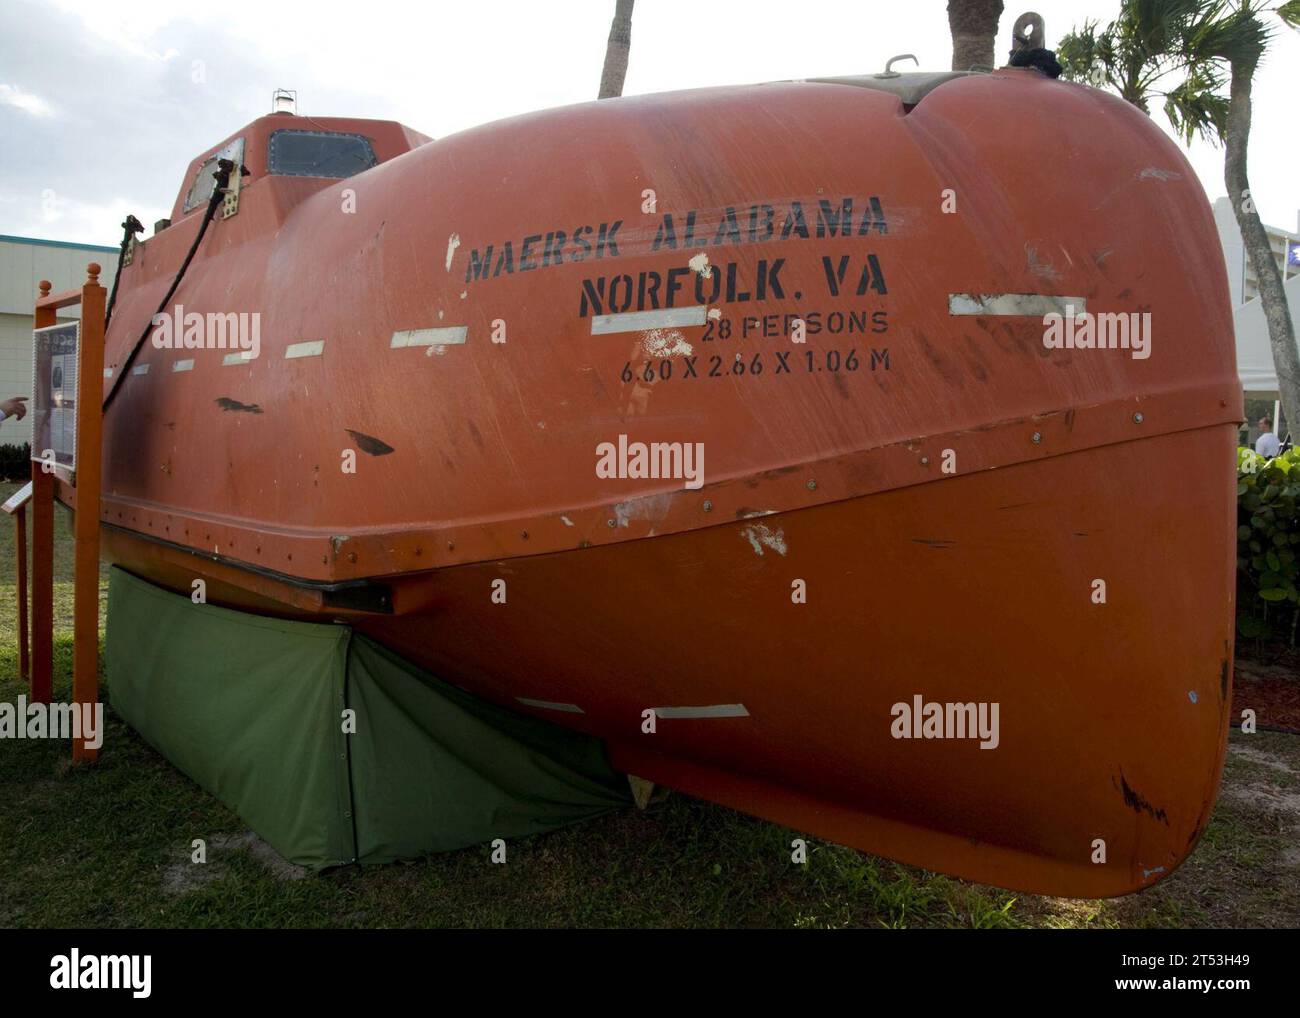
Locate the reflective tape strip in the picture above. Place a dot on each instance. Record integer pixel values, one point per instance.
(1026, 305)
(187, 365)
(637, 321)
(451, 335)
(243, 357)
(312, 349)
(140, 369)
(568, 708)
(721, 710)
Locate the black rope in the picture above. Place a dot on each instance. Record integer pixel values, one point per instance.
(131, 226)
(1040, 59)
(224, 168)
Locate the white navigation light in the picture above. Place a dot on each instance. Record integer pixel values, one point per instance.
(284, 100)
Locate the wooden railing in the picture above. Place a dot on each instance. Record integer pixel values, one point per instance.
(85, 485)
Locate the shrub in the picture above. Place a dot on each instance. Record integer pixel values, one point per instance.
(1268, 536)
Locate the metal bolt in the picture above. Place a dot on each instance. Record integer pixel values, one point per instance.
(1137, 418)
(708, 506)
(1037, 437)
(611, 523)
(812, 485)
(925, 461)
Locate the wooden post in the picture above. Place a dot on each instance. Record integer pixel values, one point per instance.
(42, 688)
(20, 550)
(90, 415)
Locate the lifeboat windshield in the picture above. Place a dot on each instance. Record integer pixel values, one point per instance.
(205, 180)
(295, 153)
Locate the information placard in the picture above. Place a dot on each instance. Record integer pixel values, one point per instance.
(54, 395)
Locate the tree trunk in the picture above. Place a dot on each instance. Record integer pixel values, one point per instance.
(974, 28)
(616, 51)
(1281, 332)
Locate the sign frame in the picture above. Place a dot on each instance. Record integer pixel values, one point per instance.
(56, 369)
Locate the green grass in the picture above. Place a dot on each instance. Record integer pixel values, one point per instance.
(108, 845)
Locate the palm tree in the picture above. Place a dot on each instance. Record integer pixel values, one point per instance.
(1198, 47)
(616, 51)
(974, 25)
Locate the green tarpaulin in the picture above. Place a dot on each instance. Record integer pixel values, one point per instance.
(253, 709)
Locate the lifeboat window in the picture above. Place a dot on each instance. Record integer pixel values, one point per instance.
(204, 181)
(319, 154)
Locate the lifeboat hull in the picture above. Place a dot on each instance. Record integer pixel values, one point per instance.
(1036, 543)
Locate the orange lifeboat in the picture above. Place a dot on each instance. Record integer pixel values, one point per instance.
(856, 453)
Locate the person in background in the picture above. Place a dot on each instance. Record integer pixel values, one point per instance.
(14, 406)
(1267, 444)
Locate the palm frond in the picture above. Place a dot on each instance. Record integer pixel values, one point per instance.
(1237, 35)
(1077, 53)
(1194, 108)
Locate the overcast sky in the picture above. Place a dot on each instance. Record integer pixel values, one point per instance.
(103, 104)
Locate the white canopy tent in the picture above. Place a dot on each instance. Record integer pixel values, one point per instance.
(1254, 355)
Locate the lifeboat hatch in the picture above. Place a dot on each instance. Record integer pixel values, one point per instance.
(910, 87)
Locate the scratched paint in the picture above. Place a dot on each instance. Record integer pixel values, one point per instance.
(453, 242)
(665, 343)
(1039, 266)
(652, 509)
(1029, 305)
(761, 536)
(369, 444)
(228, 404)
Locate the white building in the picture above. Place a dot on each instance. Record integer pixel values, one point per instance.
(1242, 284)
(1254, 351)
(24, 262)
